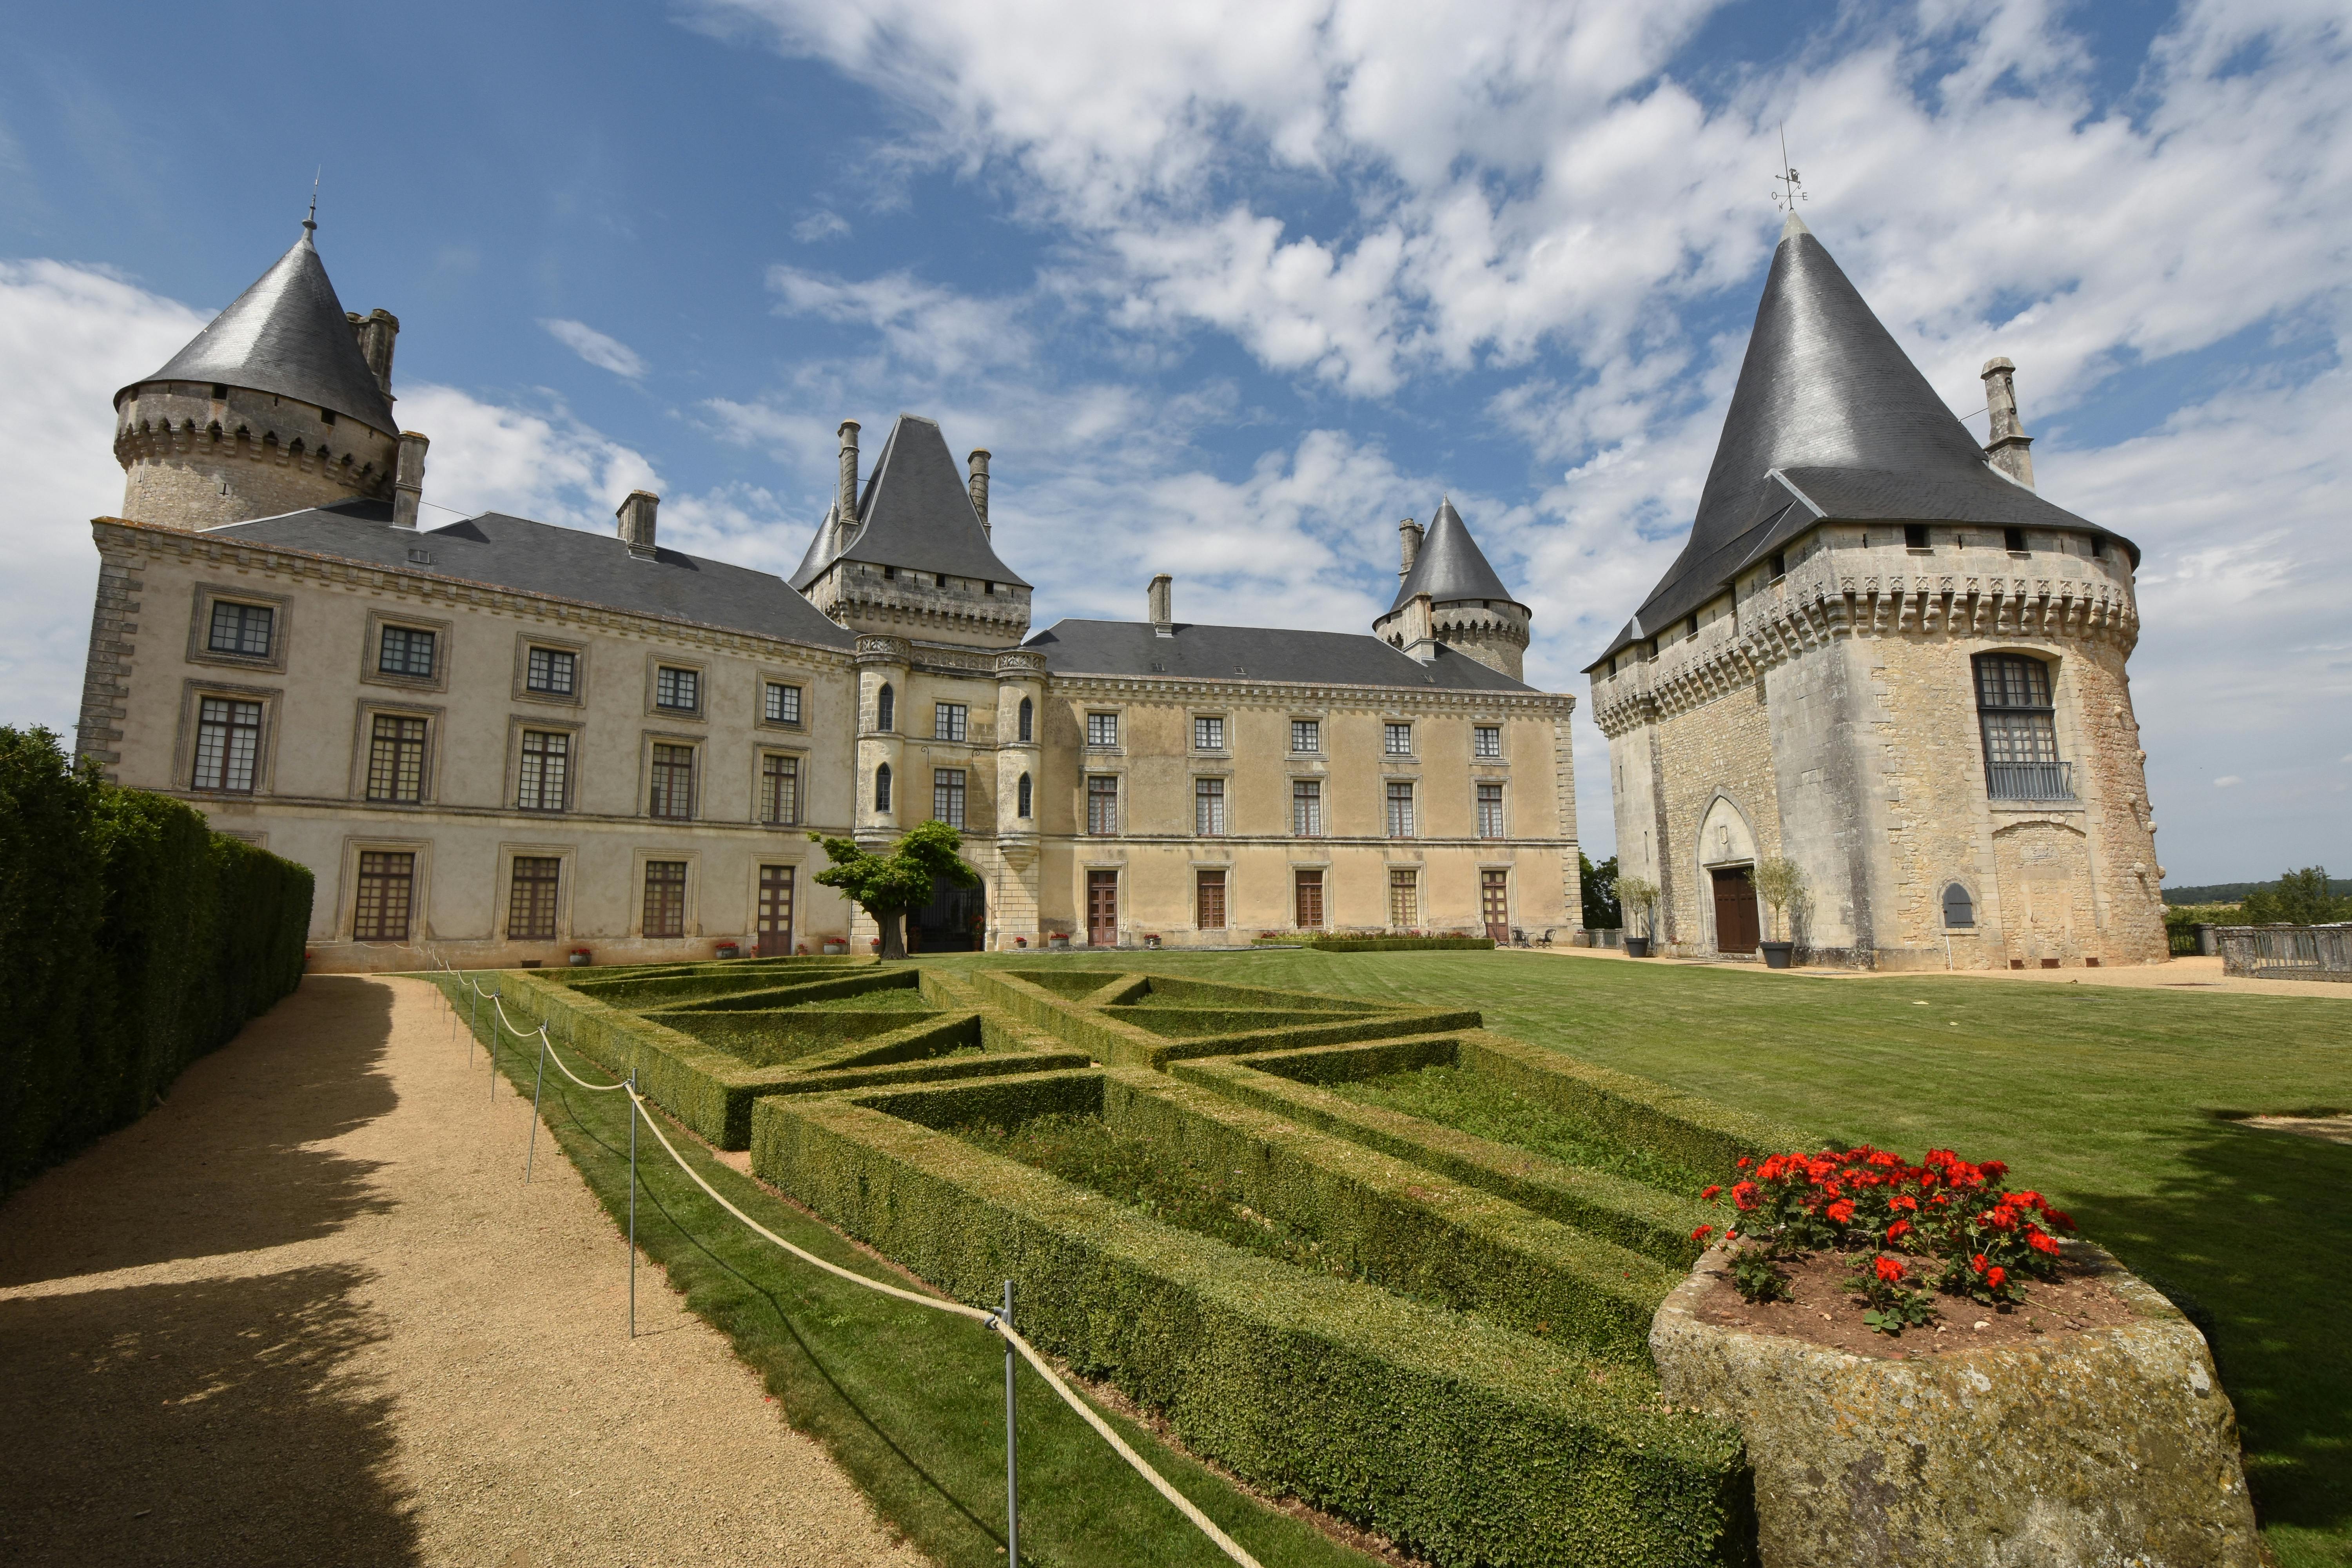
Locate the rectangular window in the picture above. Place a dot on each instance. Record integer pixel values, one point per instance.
(679, 690)
(396, 759)
(1915, 536)
(1102, 729)
(1405, 899)
(380, 906)
(1306, 807)
(783, 703)
(228, 741)
(1208, 734)
(1306, 736)
(1309, 888)
(948, 720)
(947, 796)
(551, 671)
(544, 779)
(2015, 539)
(242, 629)
(1209, 807)
(1490, 811)
(2020, 726)
(780, 790)
(1397, 740)
(405, 650)
(1486, 740)
(1209, 901)
(531, 897)
(1102, 805)
(1400, 809)
(664, 898)
(673, 791)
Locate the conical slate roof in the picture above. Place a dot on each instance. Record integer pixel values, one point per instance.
(1450, 566)
(286, 335)
(1830, 419)
(915, 513)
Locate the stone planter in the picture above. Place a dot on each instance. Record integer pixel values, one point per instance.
(1777, 954)
(2111, 1446)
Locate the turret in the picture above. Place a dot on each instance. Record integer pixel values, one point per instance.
(283, 402)
(1449, 595)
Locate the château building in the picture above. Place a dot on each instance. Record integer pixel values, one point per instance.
(506, 740)
(1884, 657)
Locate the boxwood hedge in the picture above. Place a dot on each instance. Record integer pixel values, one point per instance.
(1402, 943)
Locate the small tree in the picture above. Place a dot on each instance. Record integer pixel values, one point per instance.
(1602, 910)
(1636, 896)
(2298, 897)
(1782, 883)
(888, 886)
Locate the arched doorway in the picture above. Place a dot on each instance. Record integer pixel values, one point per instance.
(1726, 866)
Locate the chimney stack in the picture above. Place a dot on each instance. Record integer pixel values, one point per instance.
(408, 480)
(978, 461)
(1409, 540)
(1162, 602)
(845, 504)
(374, 333)
(2010, 448)
(636, 515)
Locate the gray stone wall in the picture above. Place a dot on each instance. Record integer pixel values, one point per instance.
(190, 460)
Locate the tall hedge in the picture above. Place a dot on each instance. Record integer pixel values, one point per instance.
(134, 939)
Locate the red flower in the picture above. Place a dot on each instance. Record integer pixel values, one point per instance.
(1996, 1276)
(1743, 1195)
(1842, 1210)
(1899, 1229)
(1702, 1233)
(1978, 1263)
(1743, 1162)
(2043, 1241)
(1904, 1201)
(1710, 1192)
(2001, 1217)
(1889, 1271)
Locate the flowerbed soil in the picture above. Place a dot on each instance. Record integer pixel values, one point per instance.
(1824, 1313)
(1148, 1174)
(1467, 1103)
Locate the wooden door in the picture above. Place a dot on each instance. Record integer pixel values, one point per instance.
(1735, 911)
(775, 919)
(1494, 903)
(1102, 908)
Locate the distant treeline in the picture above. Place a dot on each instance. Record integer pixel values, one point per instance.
(2235, 892)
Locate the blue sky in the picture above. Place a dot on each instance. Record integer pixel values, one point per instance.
(1228, 289)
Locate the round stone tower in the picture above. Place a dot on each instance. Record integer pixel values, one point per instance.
(1468, 609)
(283, 402)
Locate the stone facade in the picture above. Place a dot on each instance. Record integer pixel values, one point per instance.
(194, 460)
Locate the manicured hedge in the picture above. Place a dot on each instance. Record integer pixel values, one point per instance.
(1402, 943)
(1127, 1035)
(133, 939)
(1462, 1440)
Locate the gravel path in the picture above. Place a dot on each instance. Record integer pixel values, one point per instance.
(306, 1312)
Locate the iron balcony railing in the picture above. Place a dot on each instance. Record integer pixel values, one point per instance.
(2030, 781)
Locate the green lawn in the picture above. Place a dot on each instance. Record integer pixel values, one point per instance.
(2104, 1096)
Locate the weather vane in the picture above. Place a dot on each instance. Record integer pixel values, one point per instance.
(1792, 186)
(312, 220)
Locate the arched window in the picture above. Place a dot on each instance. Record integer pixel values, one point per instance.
(1959, 910)
(1028, 723)
(882, 785)
(1024, 811)
(886, 708)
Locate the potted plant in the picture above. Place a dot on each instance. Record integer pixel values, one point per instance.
(1151, 940)
(1058, 940)
(1780, 884)
(1637, 896)
(579, 958)
(835, 947)
(1021, 941)
(727, 950)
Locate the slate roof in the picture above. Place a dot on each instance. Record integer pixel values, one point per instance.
(1830, 419)
(1254, 653)
(915, 513)
(565, 563)
(1450, 566)
(287, 336)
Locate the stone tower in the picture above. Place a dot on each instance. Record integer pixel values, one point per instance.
(284, 402)
(1884, 657)
(1447, 592)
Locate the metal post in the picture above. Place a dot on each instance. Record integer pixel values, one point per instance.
(473, 1018)
(633, 1203)
(1011, 1445)
(537, 1084)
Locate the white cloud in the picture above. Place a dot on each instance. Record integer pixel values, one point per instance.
(820, 227)
(935, 330)
(2226, 780)
(69, 336)
(603, 353)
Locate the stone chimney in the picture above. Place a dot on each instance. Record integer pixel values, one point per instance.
(1161, 601)
(2010, 448)
(408, 477)
(1420, 630)
(636, 515)
(845, 504)
(374, 333)
(1409, 540)
(978, 461)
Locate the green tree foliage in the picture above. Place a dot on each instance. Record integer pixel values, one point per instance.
(133, 939)
(1782, 883)
(888, 886)
(2298, 897)
(1602, 910)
